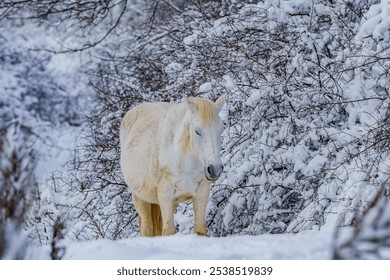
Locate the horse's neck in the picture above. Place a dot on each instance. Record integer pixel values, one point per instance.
(183, 120)
(176, 128)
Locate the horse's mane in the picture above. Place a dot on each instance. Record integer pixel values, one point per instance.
(206, 110)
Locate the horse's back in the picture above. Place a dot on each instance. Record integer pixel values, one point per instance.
(140, 117)
(139, 147)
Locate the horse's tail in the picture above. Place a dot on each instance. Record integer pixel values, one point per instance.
(156, 219)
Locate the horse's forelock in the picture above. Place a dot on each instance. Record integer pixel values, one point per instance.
(206, 110)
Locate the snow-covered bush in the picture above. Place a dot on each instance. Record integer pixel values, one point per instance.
(39, 95)
(370, 237)
(29, 86)
(16, 182)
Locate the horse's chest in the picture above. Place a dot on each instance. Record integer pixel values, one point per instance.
(184, 190)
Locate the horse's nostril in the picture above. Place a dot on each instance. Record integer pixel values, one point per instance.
(209, 169)
(213, 172)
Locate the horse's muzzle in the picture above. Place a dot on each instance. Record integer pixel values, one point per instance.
(213, 172)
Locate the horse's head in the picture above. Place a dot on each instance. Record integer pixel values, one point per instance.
(205, 129)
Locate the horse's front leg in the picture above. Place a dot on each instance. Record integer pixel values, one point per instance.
(165, 199)
(200, 203)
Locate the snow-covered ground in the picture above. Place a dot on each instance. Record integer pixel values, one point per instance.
(302, 246)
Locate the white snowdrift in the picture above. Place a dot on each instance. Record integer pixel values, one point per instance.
(301, 246)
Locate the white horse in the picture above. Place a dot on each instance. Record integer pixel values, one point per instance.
(170, 153)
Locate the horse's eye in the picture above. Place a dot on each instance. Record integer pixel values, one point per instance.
(198, 132)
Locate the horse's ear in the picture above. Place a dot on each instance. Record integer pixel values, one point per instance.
(220, 102)
(190, 104)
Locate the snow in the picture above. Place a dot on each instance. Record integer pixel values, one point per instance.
(377, 23)
(302, 246)
(229, 83)
(190, 39)
(55, 155)
(206, 87)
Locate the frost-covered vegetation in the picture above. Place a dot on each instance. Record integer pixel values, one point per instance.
(307, 137)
